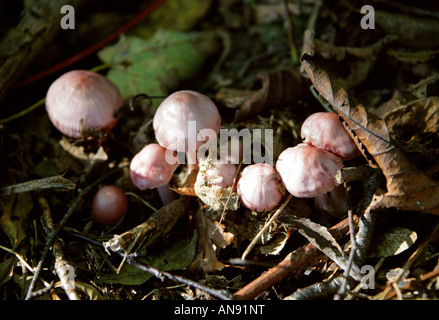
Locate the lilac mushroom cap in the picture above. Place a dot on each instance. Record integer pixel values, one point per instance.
(180, 120)
(323, 130)
(109, 205)
(221, 174)
(308, 171)
(260, 187)
(82, 95)
(150, 167)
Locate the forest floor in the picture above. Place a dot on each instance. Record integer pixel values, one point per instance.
(267, 64)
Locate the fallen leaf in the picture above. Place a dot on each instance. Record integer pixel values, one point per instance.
(408, 188)
(392, 242)
(156, 65)
(411, 30)
(321, 238)
(279, 88)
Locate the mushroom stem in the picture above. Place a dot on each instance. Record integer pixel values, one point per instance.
(166, 194)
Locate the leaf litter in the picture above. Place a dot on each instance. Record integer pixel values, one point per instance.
(197, 240)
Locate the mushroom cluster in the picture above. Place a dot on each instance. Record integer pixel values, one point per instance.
(185, 124)
(308, 170)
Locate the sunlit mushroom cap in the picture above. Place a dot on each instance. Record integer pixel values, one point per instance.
(182, 116)
(151, 168)
(323, 130)
(307, 171)
(82, 95)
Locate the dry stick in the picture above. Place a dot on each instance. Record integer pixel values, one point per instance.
(342, 290)
(131, 259)
(52, 235)
(299, 259)
(293, 50)
(261, 232)
(161, 274)
(60, 264)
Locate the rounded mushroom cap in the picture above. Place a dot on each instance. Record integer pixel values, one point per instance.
(180, 118)
(308, 171)
(323, 130)
(259, 187)
(150, 168)
(221, 174)
(109, 205)
(82, 95)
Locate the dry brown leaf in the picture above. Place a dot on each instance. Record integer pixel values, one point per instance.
(408, 188)
(279, 88)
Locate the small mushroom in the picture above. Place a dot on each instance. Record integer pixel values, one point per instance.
(260, 187)
(151, 169)
(221, 174)
(184, 121)
(308, 171)
(323, 130)
(109, 205)
(83, 98)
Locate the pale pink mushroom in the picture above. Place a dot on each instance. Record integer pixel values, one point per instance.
(184, 121)
(150, 169)
(82, 95)
(307, 171)
(221, 174)
(259, 187)
(109, 205)
(323, 130)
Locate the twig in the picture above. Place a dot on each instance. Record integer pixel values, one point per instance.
(318, 290)
(293, 50)
(162, 274)
(342, 291)
(55, 182)
(61, 266)
(266, 226)
(131, 259)
(23, 112)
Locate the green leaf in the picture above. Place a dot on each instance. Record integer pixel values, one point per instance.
(6, 270)
(156, 65)
(174, 256)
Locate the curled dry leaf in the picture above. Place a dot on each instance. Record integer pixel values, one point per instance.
(279, 87)
(155, 228)
(408, 188)
(211, 235)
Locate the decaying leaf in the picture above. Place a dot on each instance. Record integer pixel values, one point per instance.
(359, 59)
(211, 236)
(278, 88)
(393, 242)
(216, 197)
(408, 188)
(412, 31)
(78, 152)
(322, 239)
(154, 228)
